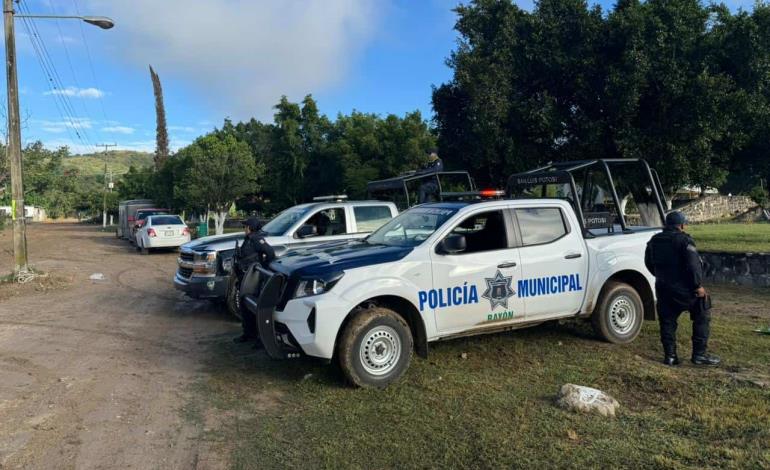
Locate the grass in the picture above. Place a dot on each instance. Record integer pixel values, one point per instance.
(118, 161)
(732, 237)
(497, 407)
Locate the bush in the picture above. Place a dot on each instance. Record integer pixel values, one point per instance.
(760, 196)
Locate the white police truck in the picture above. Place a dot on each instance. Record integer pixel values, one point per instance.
(552, 250)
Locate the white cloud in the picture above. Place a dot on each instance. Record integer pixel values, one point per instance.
(118, 129)
(242, 55)
(77, 92)
(60, 126)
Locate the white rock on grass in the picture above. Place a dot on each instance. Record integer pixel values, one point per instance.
(587, 400)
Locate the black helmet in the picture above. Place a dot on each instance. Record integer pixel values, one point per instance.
(253, 223)
(675, 218)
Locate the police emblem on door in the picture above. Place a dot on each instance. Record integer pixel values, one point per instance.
(499, 290)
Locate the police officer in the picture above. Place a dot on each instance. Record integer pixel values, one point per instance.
(672, 258)
(254, 250)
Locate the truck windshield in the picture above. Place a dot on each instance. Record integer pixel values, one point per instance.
(285, 220)
(412, 227)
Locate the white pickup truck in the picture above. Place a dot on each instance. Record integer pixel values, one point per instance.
(449, 269)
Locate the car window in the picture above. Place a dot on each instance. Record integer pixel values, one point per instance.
(483, 232)
(144, 214)
(540, 225)
(370, 218)
(285, 220)
(412, 227)
(166, 220)
(328, 222)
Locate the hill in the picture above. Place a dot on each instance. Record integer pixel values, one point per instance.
(118, 161)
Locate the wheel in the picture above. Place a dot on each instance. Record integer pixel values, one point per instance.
(145, 250)
(375, 348)
(619, 314)
(233, 296)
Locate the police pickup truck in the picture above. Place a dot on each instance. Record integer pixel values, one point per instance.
(205, 264)
(449, 269)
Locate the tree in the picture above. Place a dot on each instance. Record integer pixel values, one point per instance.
(569, 82)
(220, 169)
(289, 160)
(161, 133)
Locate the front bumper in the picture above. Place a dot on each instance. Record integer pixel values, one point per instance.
(209, 287)
(306, 325)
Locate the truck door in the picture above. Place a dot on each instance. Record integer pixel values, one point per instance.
(329, 224)
(475, 288)
(554, 262)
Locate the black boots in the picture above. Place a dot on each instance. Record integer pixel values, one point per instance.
(705, 359)
(669, 356)
(671, 360)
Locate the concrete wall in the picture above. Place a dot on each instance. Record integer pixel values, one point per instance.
(746, 269)
(717, 207)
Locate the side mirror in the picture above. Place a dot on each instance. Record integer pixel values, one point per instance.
(306, 231)
(453, 244)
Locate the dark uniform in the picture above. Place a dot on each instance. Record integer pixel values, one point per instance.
(672, 258)
(254, 250)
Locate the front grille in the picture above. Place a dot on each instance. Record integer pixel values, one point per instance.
(185, 256)
(185, 272)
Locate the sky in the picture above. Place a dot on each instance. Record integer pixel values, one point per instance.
(82, 86)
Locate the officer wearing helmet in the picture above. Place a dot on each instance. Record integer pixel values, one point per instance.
(254, 250)
(672, 258)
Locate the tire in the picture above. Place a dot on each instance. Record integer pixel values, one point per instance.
(233, 297)
(372, 328)
(619, 314)
(144, 250)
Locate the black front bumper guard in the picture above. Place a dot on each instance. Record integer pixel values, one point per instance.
(267, 288)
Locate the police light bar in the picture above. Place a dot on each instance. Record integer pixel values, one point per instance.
(339, 197)
(491, 193)
(484, 193)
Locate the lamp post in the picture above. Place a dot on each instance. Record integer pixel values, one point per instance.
(14, 129)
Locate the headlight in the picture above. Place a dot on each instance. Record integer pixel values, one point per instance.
(205, 262)
(308, 287)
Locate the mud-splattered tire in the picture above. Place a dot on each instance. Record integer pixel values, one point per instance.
(232, 297)
(619, 313)
(375, 348)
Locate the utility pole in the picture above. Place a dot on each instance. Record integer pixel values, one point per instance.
(21, 266)
(14, 146)
(104, 195)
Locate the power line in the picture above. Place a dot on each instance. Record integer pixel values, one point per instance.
(49, 80)
(67, 103)
(65, 110)
(58, 88)
(90, 62)
(67, 56)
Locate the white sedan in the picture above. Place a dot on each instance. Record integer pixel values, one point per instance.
(162, 231)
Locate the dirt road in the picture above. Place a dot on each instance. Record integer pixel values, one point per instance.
(94, 373)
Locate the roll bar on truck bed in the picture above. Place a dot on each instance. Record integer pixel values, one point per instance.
(592, 187)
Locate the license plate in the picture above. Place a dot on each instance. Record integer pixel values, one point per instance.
(169, 233)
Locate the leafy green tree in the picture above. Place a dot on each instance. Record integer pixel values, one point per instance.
(647, 79)
(220, 170)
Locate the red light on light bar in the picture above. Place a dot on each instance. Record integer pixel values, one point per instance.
(491, 192)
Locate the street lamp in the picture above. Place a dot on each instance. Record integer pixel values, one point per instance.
(100, 21)
(14, 131)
